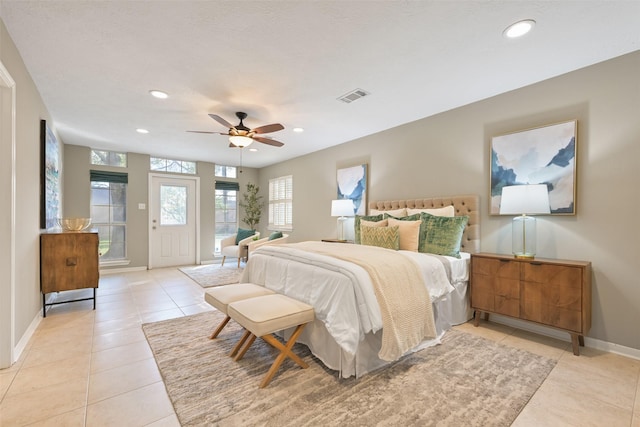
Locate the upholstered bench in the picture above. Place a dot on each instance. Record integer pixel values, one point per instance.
(261, 317)
(221, 296)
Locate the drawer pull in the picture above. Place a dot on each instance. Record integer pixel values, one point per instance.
(535, 263)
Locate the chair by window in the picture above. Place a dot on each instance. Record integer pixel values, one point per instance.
(229, 248)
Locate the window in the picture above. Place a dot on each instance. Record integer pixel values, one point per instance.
(173, 205)
(226, 171)
(109, 213)
(108, 158)
(281, 203)
(170, 165)
(226, 211)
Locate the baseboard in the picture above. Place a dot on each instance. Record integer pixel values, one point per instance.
(609, 347)
(24, 340)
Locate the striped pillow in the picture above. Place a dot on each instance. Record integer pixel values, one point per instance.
(384, 237)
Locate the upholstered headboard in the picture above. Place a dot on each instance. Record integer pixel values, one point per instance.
(464, 205)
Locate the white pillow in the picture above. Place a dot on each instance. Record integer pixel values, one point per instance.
(449, 211)
(398, 213)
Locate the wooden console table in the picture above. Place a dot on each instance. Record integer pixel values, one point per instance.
(68, 261)
(549, 292)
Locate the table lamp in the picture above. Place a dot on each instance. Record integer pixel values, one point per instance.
(524, 200)
(341, 208)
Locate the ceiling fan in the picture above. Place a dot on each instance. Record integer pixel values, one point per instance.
(241, 136)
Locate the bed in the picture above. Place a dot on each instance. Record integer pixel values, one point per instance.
(348, 334)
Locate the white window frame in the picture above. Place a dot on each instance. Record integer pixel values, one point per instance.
(281, 203)
(225, 196)
(113, 158)
(186, 167)
(223, 171)
(111, 223)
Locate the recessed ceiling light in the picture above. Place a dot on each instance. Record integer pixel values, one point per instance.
(298, 130)
(159, 94)
(253, 149)
(519, 29)
(140, 130)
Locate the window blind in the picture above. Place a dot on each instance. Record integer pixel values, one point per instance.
(106, 176)
(281, 203)
(225, 185)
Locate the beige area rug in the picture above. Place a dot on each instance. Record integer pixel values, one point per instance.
(465, 381)
(213, 274)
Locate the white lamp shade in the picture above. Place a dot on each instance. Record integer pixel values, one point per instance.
(342, 207)
(525, 199)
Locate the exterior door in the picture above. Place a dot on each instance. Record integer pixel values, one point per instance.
(173, 221)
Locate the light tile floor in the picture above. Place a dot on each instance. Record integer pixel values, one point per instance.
(94, 368)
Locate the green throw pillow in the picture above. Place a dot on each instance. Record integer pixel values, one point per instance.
(275, 235)
(383, 237)
(443, 235)
(243, 234)
(356, 224)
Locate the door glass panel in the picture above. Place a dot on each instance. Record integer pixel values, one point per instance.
(173, 205)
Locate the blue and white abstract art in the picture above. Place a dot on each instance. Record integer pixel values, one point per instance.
(545, 155)
(352, 184)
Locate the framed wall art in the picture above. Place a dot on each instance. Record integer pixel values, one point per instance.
(543, 155)
(352, 184)
(49, 177)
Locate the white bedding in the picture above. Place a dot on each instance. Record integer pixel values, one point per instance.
(342, 295)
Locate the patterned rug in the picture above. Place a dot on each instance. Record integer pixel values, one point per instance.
(213, 274)
(465, 381)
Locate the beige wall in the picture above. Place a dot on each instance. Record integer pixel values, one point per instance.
(30, 110)
(449, 154)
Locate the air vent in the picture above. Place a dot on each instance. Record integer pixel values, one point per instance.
(353, 95)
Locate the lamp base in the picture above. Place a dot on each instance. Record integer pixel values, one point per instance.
(341, 221)
(523, 243)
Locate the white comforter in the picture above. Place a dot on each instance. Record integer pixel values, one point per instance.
(340, 292)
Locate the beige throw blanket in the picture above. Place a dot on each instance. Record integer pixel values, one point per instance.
(405, 305)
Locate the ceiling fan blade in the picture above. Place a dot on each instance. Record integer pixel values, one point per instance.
(268, 141)
(268, 128)
(204, 131)
(222, 121)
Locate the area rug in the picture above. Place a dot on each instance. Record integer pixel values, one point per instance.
(465, 381)
(213, 274)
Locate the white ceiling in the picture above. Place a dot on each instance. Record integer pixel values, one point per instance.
(288, 62)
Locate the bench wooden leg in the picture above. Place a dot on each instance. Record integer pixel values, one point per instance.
(285, 351)
(249, 343)
(220, 327)
(239, 344)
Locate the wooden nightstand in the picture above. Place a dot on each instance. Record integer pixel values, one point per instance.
(549, 292)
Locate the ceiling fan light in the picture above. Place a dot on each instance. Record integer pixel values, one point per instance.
(240, 141)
